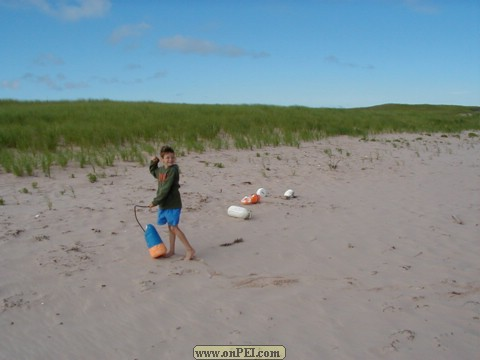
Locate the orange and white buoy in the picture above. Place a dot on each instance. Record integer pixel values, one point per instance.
(251, 199)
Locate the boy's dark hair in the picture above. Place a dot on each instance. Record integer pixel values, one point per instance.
(166, 150)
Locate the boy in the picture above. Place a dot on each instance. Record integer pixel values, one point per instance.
(168, 199)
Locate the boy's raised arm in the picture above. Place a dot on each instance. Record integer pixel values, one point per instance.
(154, 165)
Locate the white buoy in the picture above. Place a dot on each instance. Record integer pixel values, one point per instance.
(262, 192)
(289, 194)
(239, 212)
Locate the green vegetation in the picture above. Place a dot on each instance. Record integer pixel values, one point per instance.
(39, 135)
(92, 177)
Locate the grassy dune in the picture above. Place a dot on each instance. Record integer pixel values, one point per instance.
(37, 135)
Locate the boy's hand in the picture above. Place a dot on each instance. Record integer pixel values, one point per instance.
(155, 159)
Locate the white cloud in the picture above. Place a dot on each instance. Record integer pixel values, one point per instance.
(11, 84)
(48, 59)
(132, 66)
(157, 75)
(128, 31)
(332, 59)
(84, 9)
(47, 80)
(421, 6)
(116, 80)
(76, 85)
(107, 80)
(70, 10)
(185, 45)
(60, 82)
(57, 82)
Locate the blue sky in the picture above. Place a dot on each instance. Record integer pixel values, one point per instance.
(315, 53)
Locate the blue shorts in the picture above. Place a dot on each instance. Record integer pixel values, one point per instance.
(168, 216)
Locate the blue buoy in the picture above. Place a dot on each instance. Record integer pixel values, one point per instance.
(155, 245)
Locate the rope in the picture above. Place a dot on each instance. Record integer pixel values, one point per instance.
(136, 218)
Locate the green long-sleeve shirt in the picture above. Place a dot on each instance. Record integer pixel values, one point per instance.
(168, 195)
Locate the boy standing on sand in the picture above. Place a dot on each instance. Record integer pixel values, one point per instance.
(168, 199)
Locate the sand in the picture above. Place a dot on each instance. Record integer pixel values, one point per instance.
(376, 257)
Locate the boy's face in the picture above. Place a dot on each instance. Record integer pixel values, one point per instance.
(168, 159)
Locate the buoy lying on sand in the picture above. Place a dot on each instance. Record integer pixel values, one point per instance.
(155, 245)
(251, 199)
(239, 212)
(262, 192)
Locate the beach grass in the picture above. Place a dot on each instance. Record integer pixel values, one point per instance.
(41, 134)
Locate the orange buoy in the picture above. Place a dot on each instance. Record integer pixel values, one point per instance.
(252, 199)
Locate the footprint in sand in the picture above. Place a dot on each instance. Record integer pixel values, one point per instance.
(181, 271)
(14, 301)
(147, 285)
(68, 259)
(401, 339)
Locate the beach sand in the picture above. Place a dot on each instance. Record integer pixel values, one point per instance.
(376, 257)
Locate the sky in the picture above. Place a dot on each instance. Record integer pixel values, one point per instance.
(313, 53)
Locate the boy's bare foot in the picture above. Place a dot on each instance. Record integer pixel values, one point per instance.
(189, 255)
(168, 254)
